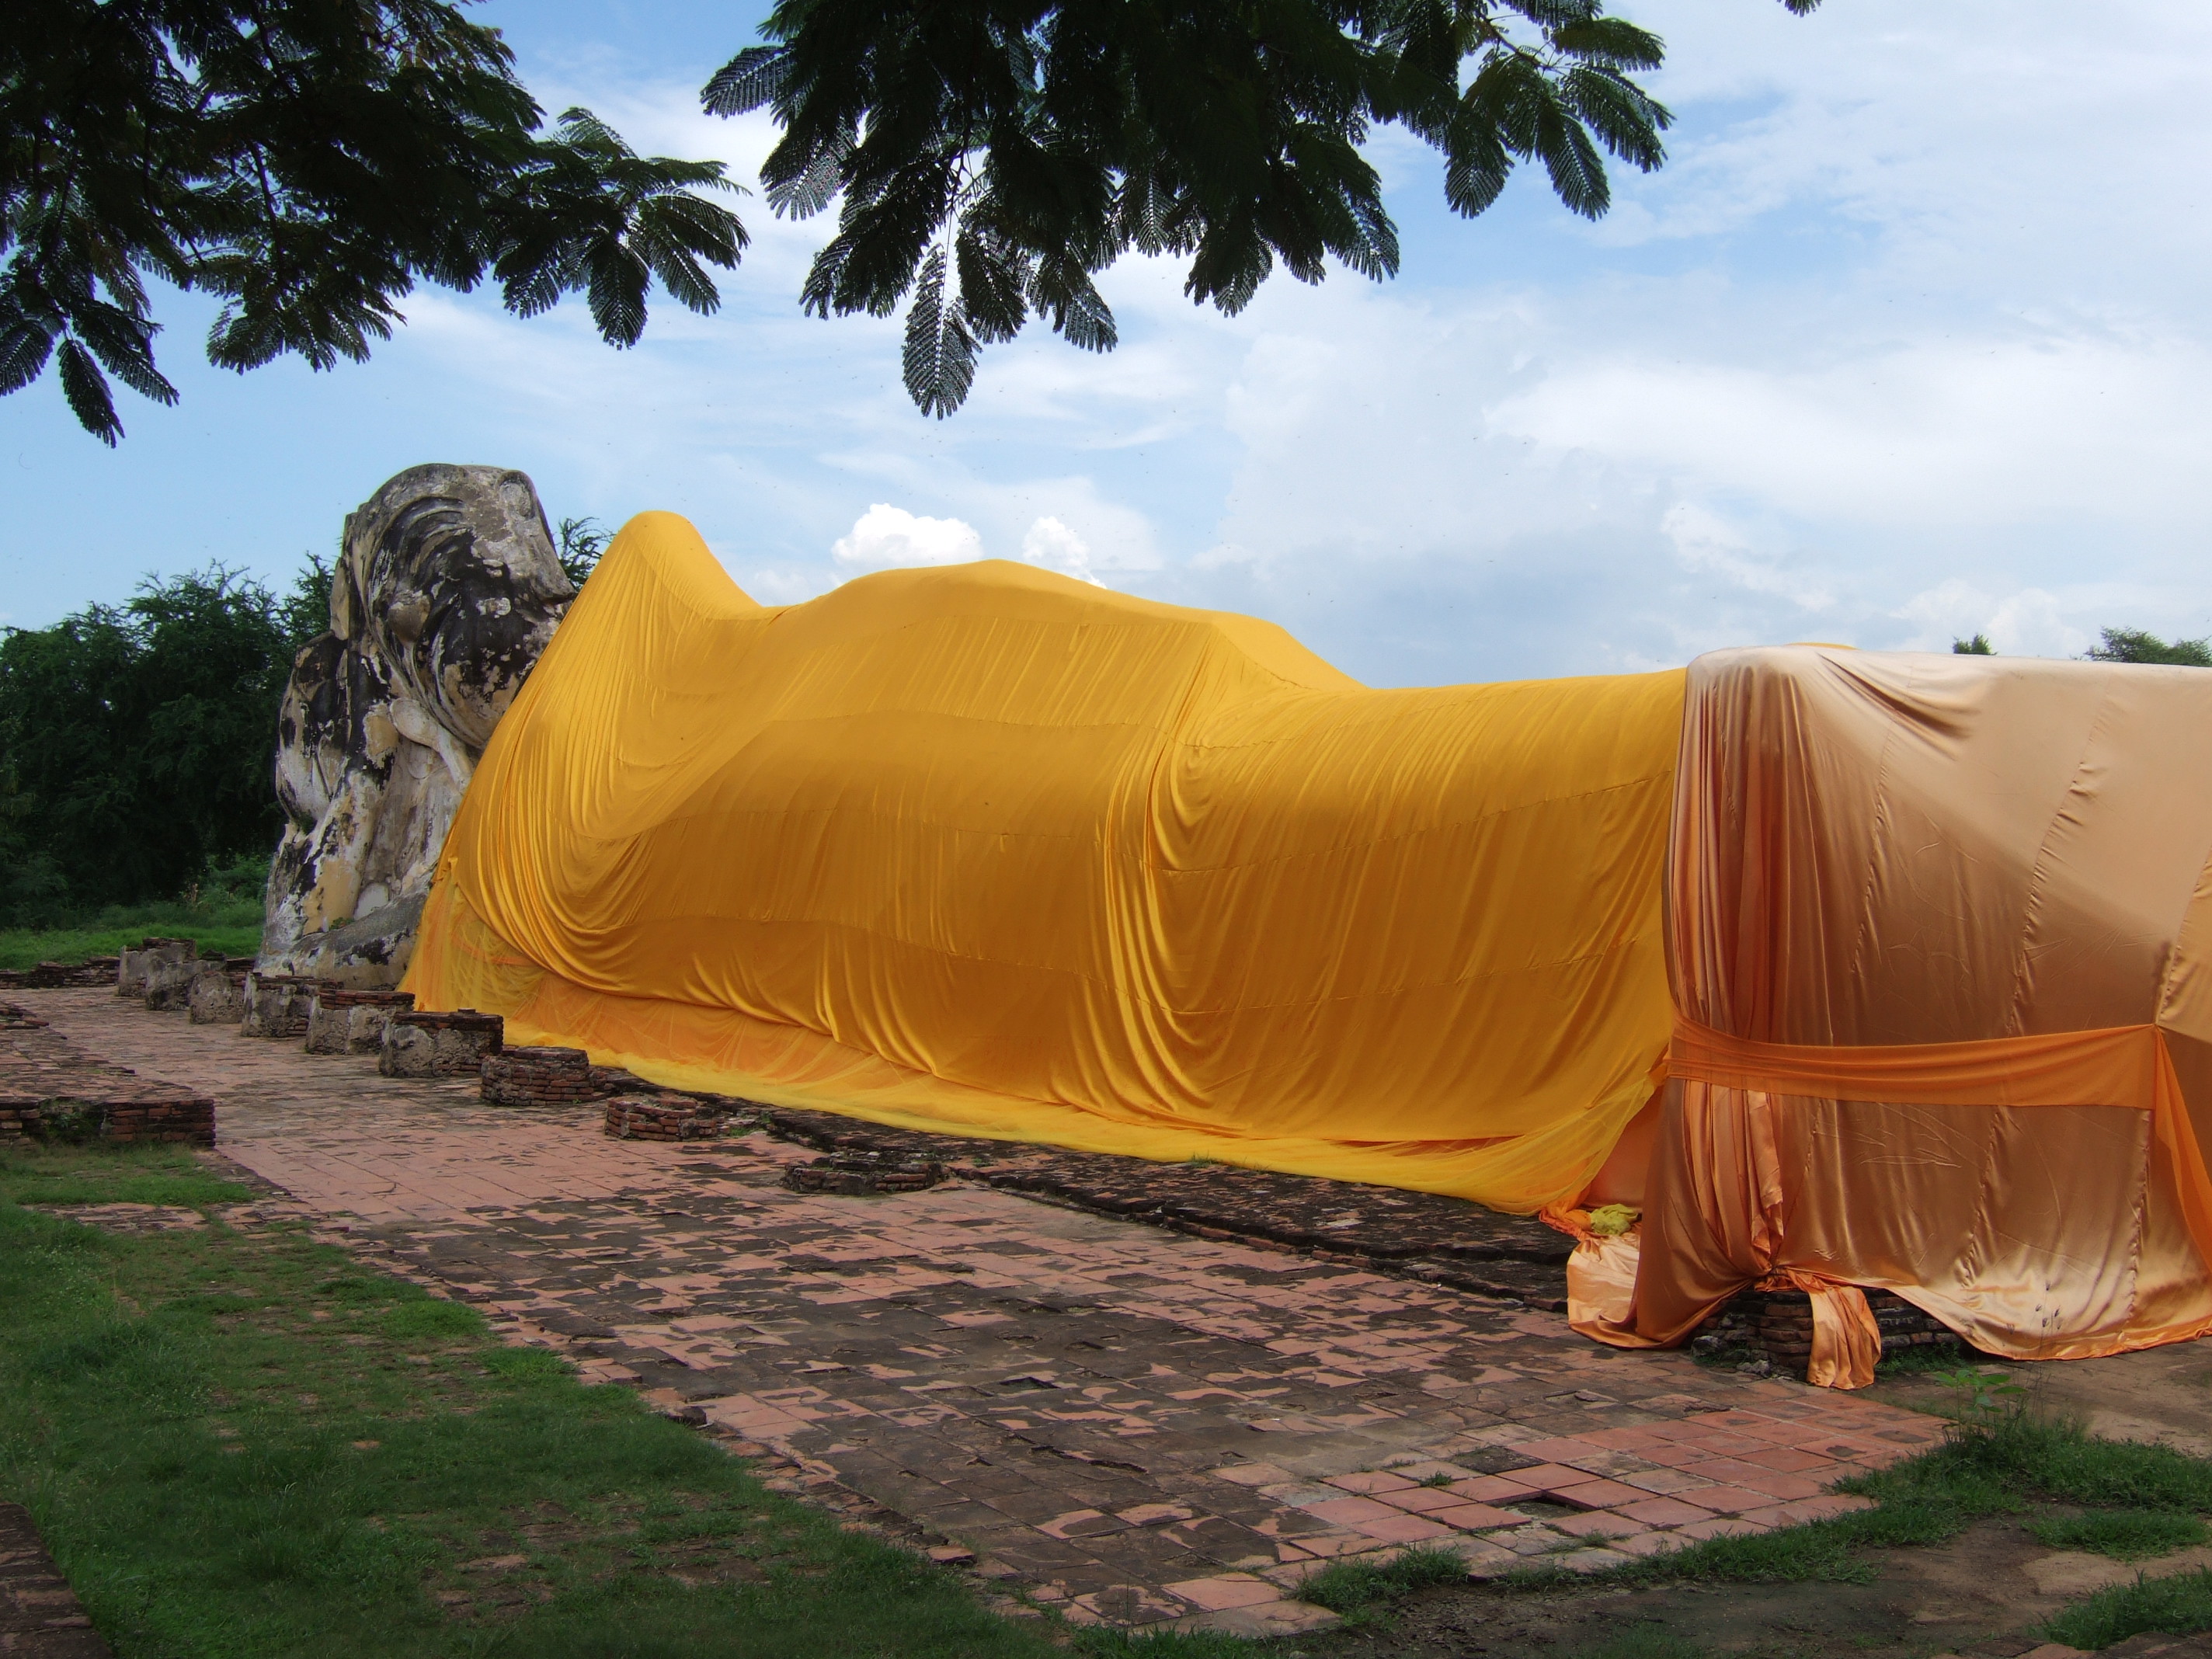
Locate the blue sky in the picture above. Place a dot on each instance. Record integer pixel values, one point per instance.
(1910, 339)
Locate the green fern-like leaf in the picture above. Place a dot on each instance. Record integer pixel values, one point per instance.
(85, 389)
(1063, 291)
(993, 279)
(940, 360)
(755, 77)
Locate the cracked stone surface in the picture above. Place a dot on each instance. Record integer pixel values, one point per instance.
(1139, 1426)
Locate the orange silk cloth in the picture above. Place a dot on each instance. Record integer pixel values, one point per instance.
(1940, 932)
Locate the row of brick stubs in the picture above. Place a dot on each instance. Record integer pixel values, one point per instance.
(538, 1076)
(662, 1117)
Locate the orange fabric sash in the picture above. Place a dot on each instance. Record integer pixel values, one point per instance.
(2124, 1066)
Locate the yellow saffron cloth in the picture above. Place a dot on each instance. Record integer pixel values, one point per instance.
(985, 850)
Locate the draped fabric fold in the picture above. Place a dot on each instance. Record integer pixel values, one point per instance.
(1848, 970)
(1937, 930)
(2127, 1068)
(987, 850)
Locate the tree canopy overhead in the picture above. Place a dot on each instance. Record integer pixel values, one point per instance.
(309, 161)
(993, 156)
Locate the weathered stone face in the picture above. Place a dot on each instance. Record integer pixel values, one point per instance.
(446, 592)
(450, 582)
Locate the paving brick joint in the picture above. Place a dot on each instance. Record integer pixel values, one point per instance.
(1139, 1425)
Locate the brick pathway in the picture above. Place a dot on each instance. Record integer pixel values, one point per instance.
(1135, 1426)
(39, 1616)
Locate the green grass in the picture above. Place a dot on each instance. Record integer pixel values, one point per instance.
(1361, 1590)
(246, 1443)
(112, 1175)
(2123, 1535)
(2179, 1606)
(1920, 1361)
(1930, 1498)
(1169, 1644)
(226, 925)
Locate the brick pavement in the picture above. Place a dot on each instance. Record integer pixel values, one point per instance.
(40, 1615)
(1137, 1426)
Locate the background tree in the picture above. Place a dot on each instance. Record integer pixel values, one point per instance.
(993, 156)
(304, 612)
(1978, 646)
(582, 541)
(134, 744)
(309, 161)
(2133, 644)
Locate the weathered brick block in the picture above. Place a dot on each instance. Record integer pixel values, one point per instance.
(169, 985)
(438, 1043)
(856, 1174)
(277, 1004)
(330, 1016)
(218, 994)
(136, 1113)
(662, 1117)
(52, 975)
(133, 967)
(538, 1076)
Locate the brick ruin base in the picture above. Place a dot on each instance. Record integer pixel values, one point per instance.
(54, 975)
(341, 1021)
(154, 966)
(277, 1005)
(419, 1045)
(856, 1174)
(218, 991)
(169, 977)
(538, 1076)
(125, 1118)
(662, 1117)
(50, 1092)
(1775, 1327)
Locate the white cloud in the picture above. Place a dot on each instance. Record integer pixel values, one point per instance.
(1228, 555)
(1950, 610)
(2032, 623)
(784, 586)
(1705, 542)
(886, 535)
(1054, 546)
